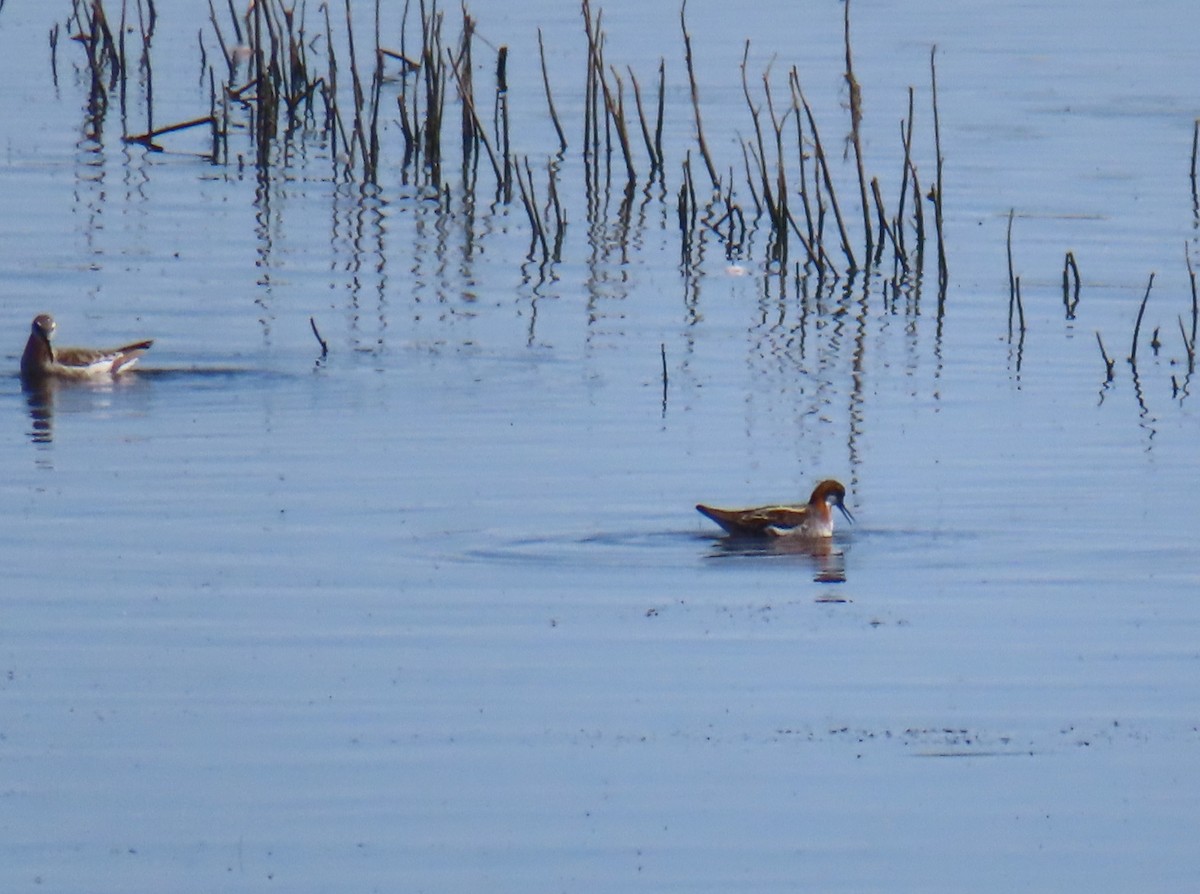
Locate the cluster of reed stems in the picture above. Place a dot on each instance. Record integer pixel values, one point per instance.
(271, 81)
(1072, 284)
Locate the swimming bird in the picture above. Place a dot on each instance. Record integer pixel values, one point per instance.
(812, 520)
(42, 361)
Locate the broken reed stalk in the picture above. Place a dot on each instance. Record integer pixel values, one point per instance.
(433, 70)
(1187, 255)
(333, 115)
(658, 123)
(558, 128)
(469, 101)
(615, 104)
(147, 138)
(943, 271)
(529, 200)
(1195, 151)
(1188, 346)
(826, 177)
(1071, 285)
(906, 132)
(1012, 280)
(371, 166)
(778, 246)
(688, 210)
(811, 240)
(651, 151)
(560, 217)
(1138, 324)
(1108, 363)
(324, 345)
(662, 350)
(855, 134)
(225, 51)
(760, 157)
(614, 101)
(591, 103)
(358, 130)
(54, 54)
(503, 136)
(691, 72)
(264, 90)
(124, 67)
(885, 230)
(598, 101)
(918, 215)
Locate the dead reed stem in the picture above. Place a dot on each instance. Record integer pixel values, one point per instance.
(906, 132)
(826, 177)
(1187, 255)
(885, 230)
(529, 200)
(468, 100)
(147, 138)
(658, 124)
(695, 91)
(435, 91)
(312, 321)
(503, 135)
(918, 216)
(1108, 363)
(1012, 280)
(943, 271)
(1071, 285)
(651, 149)
(1195, 151)
(558, 128)
(855, 134)
(1189, 345)
(1138, 324)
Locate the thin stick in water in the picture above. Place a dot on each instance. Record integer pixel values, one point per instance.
(703, 145)
(562, 137)
(324, 345)
(943, 271)
(1070, 292)
(1108, 363)
(1138, 325)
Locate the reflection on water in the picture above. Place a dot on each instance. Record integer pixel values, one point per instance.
(39, 395)
(826, 559)
(52, 397)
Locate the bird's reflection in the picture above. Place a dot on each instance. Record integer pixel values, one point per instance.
(828, 561)
(39, 395)
(48, 396)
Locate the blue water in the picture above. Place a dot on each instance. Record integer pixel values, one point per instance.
(434, 611)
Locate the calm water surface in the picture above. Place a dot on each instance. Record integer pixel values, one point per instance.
(434, 612)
